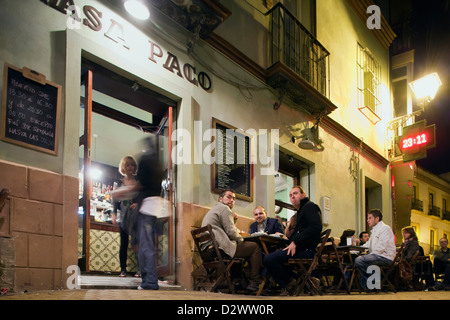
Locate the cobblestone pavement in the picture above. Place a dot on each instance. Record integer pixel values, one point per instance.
(133, 294)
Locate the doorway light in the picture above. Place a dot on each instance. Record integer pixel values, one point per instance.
(137, 9)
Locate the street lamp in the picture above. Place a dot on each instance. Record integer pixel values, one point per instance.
(425, 88)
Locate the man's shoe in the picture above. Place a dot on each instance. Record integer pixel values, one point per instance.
(290, 288)
(252, 287)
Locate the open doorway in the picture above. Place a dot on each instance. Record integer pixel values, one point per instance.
(291, 171)
(373, 197)
(116, 114)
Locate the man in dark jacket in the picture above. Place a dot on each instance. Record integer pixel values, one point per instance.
(304, 233)
(263, 223)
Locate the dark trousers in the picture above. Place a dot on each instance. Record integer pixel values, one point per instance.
(252, 252)
(123, 251)
(123, 248)
(274, 263)
(442, 267)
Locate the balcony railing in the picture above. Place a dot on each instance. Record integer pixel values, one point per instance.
(446, 215)
(417, 205)
(293, 45)
(434, 211)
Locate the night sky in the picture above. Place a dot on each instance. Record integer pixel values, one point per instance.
(431, 41)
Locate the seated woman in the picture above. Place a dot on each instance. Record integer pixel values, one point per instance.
(411, 246)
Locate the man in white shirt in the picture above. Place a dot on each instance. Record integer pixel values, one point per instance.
(381, 246)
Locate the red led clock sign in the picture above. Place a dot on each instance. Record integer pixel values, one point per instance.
(416, 139)
(420, 139)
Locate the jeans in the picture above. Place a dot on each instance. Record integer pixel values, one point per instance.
(274, 263)
(147, 252)
(363, 262)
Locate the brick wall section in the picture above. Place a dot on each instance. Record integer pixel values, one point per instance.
(41, 239)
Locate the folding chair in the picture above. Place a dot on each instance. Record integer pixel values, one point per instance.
(421, 270)
(216, 265)
(305, 267)
(386, 271)
(333, 263)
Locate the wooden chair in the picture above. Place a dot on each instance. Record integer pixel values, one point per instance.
(334, 264)
(422, 270)
(305, 267)
(386, 271)
(216, 265)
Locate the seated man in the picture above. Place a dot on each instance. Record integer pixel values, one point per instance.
(303, 231)
(364, 238)
(228, 238)
(263, 223)
(381, 246)
(441, 260)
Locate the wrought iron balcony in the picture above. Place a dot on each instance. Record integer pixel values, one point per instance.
(300, 64)
(434, 211)
(446, 215)
(417, 205)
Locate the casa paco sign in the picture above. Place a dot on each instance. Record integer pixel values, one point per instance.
(92, 18)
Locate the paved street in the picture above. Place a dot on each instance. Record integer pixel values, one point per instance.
(165, 294)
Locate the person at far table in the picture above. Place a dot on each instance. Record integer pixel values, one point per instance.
(411, 242)
(441, 259)
(303, 231)
(264, 224)
(229, 239)
(381, 246)
(364, 239)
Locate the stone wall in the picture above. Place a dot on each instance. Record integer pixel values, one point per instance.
(38, 236)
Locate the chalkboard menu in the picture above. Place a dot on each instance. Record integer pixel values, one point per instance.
(30, 110)
(232, 168)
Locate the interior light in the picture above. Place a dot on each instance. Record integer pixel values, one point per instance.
(95, 174)
(137, 9)
(426, 86)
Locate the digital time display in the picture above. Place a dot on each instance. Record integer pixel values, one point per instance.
(414, 141)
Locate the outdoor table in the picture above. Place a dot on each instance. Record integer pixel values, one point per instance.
(269, 243)
(345, 260)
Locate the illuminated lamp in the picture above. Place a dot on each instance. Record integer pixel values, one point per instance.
(306, 144)
(426, 87)
(137, 9)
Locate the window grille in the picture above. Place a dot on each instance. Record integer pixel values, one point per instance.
(369, 74)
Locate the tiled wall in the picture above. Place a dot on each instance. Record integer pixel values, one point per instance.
(104, 251)
(41, 234)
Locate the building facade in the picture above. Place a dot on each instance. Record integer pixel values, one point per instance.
(303, 88)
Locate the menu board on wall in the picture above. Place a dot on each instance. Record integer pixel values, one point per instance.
(30, 110)
(231, 168)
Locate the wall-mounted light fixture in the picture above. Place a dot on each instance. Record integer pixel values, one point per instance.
(310, 138)
(426, 87)
(137, 9)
